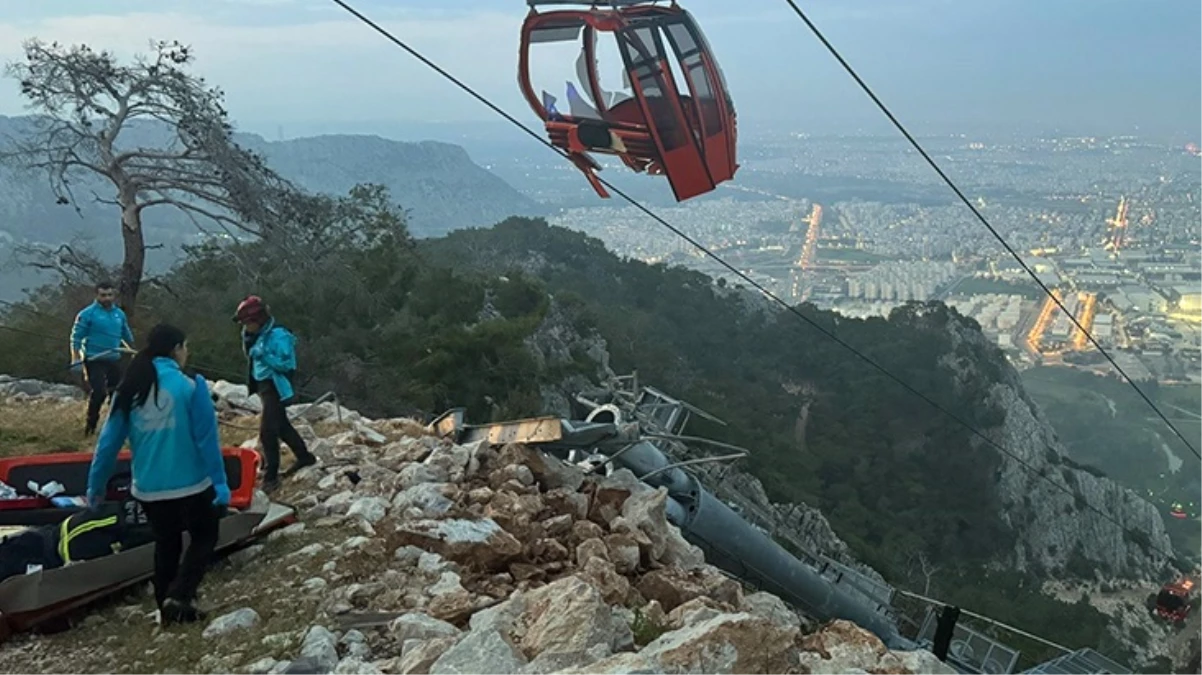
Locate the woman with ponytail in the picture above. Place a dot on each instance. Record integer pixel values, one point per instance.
(178, 472)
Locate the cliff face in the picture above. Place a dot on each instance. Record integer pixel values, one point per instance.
(1056, 527)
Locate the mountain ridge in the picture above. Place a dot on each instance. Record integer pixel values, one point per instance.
(440, 185)
(442, 170)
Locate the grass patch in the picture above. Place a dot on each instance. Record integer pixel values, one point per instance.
(39, 426)
(849, 255)
(645, 629)
(33, 427)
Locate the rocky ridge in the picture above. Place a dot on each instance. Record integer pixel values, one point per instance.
(1055, 524)
(417, 555)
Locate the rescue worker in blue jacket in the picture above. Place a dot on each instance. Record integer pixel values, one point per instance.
(178, 471)
(271, 364)
(98, 336)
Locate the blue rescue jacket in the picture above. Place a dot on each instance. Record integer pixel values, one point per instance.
(272, 355)
(172, 437)
(98, 332)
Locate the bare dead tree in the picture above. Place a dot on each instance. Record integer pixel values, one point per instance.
(92, 117)
(927, 569)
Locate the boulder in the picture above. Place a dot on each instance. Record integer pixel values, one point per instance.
(551, 473)
(237, 620)
(321, 647)
(611, 493)
(450, 460)
(418, 655)
(626, 663)
(371, 509)
(352, 665)
(623, 552)
(405, 451)
(479, 652)
(725, 643)
(647, 511)
(694, 611)
(556, 662)
(671, 586)
(568, 615)
(471, 542)
(416, 474)
(614, 587)
(427, 500)
(840, 646)
(419, 626)
(772, 608)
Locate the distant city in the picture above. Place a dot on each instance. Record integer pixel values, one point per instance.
(861, 226)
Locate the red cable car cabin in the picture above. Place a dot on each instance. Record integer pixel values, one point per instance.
(684, 130)
(1173, 601)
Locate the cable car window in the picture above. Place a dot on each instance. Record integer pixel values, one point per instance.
(563, 90)
(557, 33)
(704, 44)
(612, 77)
(644, 59)
(697, 76)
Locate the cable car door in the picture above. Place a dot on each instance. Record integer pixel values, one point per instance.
(654, 88)
(714, 111)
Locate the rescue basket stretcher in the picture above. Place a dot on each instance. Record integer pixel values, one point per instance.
(42, 594)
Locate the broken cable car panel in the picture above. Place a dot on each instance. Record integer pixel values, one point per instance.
(679, 125)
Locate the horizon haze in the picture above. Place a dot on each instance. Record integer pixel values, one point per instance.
(295, 68)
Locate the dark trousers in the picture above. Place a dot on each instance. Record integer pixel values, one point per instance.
(103, 377)
(275, 427)
(169, 520)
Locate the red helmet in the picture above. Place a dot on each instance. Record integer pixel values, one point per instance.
(251, 309)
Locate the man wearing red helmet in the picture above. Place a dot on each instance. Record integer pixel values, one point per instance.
(271, 354)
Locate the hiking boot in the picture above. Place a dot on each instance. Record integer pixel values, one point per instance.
(300, 463)
(175, 611)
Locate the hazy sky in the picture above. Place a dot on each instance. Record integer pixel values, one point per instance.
(1079, 66)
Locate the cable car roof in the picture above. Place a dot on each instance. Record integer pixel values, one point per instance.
(598, 4)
